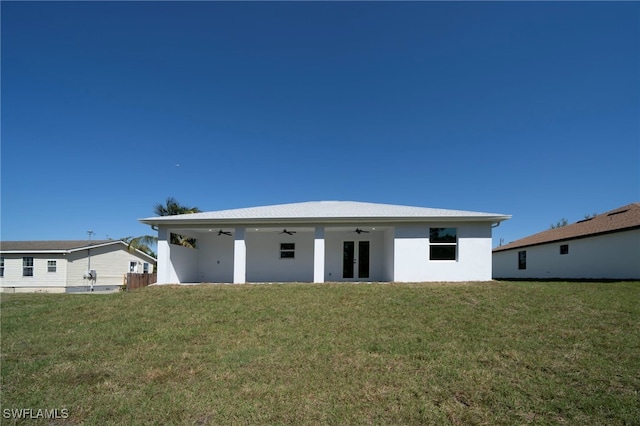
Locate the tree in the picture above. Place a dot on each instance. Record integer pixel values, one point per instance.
(171, 208)
(142, 243)
(559, 224)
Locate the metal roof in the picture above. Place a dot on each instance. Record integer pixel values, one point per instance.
(320, 211)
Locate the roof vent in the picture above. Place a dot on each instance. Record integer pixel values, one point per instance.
(584, 220)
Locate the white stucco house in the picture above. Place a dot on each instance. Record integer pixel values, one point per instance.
(326, 241)
(68, 266)
(606, 246)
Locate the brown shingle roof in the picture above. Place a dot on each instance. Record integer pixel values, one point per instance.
(64, 245)
(617, 220)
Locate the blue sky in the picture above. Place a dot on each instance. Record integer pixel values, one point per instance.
(529, 109)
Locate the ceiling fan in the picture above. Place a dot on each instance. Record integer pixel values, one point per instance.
(221, 232)
(360, 231)
(284, 231)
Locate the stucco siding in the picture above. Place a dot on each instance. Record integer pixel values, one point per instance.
(183, 262)
(215, 258)
(263, 257)
(473, 257)
(608, 256)
(334, 241)
(388, 255)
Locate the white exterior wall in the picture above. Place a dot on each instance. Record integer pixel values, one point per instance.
(263, 257)
(319, 253)
(388, 255)
(334, 241)
(215, 258)
(609, 256)
(397, 253)
(411, 257)
(165, 268)
(184, 264)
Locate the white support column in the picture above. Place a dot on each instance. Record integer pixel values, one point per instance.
(239, 257)
(318, 255)
(164, 257)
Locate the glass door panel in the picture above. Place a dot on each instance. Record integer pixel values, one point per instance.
(348, 259)
(363, 259)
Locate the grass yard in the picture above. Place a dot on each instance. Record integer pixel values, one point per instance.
(480, 353)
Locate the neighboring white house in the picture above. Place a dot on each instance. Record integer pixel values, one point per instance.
(326, 241)
(606, 246)
(68, 266)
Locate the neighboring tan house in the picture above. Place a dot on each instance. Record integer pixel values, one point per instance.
(326, 241)
(68, 266)
(606, 246)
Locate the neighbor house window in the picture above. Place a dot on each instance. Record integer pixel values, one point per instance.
(443, 243)
(287, 250)
(564, 249)
(27, 266)
(1, 266)
(522, 260)
(133, 266)
(52, 266)
(145, 267)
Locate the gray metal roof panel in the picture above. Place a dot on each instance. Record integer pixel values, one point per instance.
(326, 210)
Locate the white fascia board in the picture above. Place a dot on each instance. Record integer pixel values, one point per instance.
(96, 246)
(203, 222)
(141, 253)
(34, 251)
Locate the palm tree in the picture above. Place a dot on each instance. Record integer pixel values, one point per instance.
(171, 208)
(142, 243)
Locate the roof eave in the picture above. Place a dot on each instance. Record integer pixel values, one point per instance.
(68, 251)
(318, 221)
(561, 240)
(96, 245)
(35, 251)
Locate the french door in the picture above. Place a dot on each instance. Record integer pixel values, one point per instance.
(355, 259)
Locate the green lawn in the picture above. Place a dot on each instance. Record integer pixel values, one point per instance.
(480, 353)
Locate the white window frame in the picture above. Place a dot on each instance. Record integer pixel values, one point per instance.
(52, 264)
(26, 267)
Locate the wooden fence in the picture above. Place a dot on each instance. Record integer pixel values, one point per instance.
(133, 281)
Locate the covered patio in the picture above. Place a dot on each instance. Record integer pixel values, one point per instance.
(326, 241)
(269, 254)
